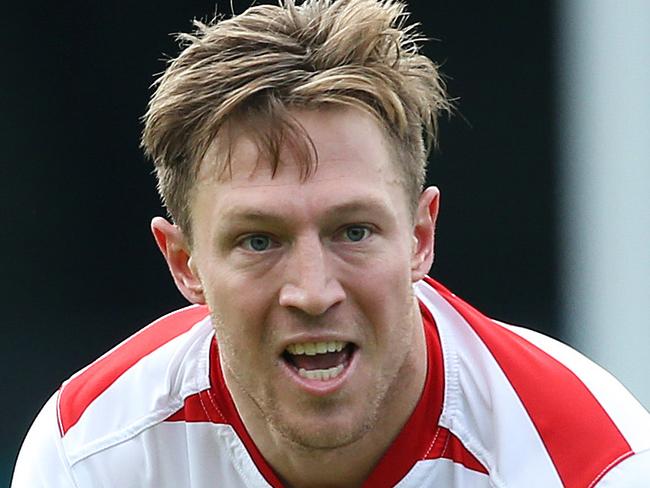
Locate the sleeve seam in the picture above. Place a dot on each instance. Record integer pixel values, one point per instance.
(610, 466)
(60, 448)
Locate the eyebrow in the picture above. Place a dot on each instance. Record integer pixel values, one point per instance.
(253, 214)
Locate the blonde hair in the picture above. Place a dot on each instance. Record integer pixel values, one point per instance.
(274, 58)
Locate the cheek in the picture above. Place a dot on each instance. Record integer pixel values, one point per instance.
(242, 312)
(230, 293)
(385, 293)
(238, 348)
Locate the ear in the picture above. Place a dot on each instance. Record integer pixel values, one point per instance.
(171, 243)
(424, 233)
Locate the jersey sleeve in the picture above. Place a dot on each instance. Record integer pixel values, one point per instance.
(633, 472)
(41, 462)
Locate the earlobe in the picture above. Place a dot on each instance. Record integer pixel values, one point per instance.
(172, 245)
(424, 233)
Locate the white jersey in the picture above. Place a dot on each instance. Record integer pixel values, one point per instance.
(501, 407)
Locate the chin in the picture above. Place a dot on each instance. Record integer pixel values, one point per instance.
(326, 429)
(326, 438)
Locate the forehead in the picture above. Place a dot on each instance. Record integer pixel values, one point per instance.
(328, 133)
(354, 160)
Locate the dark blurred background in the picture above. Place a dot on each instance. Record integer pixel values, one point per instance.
(80, 270)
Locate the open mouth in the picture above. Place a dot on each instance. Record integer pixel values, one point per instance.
(319, 360)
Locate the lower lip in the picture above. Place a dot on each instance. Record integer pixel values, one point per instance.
(322, 387)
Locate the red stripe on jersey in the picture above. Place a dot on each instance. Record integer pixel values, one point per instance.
(195, 409)
(78, 393)
(447, 445)
(580, 437)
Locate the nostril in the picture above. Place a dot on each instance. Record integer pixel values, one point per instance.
(310, 286)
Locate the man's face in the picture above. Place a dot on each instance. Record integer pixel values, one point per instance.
(309, 282)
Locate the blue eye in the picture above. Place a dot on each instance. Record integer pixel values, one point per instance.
(257, 243)
(356, 233)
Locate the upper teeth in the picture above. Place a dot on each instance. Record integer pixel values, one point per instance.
(313, 348)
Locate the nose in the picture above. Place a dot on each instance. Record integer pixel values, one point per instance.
(310, 284)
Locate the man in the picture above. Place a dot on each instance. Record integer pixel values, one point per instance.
(290, 144)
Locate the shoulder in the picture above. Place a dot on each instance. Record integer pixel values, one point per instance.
(140, 382)
(41, 461)
(514, 394)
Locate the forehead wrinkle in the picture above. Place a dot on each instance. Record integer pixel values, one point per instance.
(275, 181)
(248, 213)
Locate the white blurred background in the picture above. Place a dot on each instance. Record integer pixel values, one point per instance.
(604, 175)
